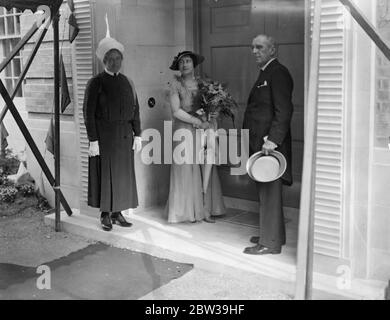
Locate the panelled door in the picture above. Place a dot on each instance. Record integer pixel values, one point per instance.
(227, 28)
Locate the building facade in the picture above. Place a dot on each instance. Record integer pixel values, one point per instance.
(352, 209)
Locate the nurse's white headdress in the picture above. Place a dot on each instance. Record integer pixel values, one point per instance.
(107, 44)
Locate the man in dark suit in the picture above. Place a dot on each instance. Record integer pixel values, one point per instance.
(268, 118)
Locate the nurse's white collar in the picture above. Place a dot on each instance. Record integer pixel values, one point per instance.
(111, 73)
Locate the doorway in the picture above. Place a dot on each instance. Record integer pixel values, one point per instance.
(226, 29)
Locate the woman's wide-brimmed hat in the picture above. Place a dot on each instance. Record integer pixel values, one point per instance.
(196, 58)
(266, 168)
(107, 44)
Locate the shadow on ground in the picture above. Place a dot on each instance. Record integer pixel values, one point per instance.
(95, 272)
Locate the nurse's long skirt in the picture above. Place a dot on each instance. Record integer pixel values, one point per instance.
(112, 184)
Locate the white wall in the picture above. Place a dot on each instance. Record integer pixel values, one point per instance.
(369, 166)
(152, 32)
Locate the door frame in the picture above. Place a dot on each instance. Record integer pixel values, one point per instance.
(195, 4)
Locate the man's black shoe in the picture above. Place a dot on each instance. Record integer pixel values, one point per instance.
(117, 218)
(105, 221)
(254, 240)
(261, 250)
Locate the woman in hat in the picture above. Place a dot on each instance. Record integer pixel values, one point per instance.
(111, 115)
(186, 201)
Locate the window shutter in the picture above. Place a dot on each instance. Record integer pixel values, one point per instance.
(330, 136)
(83, 66)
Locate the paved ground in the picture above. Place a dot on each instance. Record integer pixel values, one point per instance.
(205, 285)
(95, 272)
(80, 268)
(25, 239)
(83, 269)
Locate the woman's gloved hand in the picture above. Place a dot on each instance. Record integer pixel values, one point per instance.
(93, 149)
(205, 125)
(137, 144)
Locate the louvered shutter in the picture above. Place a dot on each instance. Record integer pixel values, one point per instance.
(83, 66)
(330, 137)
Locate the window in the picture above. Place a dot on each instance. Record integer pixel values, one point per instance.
(9, 37)
(382, 111)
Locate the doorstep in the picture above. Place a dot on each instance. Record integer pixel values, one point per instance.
(216, 247)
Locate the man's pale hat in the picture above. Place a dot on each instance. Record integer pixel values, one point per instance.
(266, 168)
(107, 44)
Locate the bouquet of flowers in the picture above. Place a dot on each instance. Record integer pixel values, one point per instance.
(214, 98)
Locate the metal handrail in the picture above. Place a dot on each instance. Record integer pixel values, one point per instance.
(367, 27)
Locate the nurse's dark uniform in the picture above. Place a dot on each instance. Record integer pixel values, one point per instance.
(111, 116)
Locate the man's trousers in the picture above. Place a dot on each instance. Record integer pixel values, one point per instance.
(272, 228)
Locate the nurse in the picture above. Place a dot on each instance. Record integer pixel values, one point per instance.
(111, 116)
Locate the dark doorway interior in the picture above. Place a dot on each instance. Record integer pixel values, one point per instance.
(227, 28)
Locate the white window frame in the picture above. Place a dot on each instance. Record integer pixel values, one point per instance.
(10, 76)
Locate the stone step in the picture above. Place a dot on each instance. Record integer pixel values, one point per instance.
(216, 247)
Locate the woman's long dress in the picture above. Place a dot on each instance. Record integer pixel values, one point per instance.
(111, 115)
(186, 201)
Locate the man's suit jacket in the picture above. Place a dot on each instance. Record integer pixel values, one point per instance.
(269, 112)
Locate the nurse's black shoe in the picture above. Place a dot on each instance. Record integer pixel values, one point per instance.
(117, 218)
(105, 221)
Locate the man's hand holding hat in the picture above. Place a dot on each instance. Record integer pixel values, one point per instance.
(268, 146)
